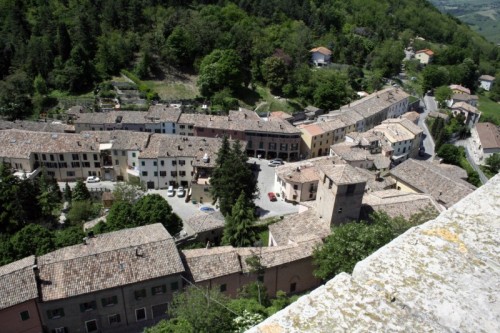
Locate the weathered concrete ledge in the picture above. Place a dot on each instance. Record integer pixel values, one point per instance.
(442, 276)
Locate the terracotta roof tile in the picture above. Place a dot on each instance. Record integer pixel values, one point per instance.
(489, 135)
(17, 282)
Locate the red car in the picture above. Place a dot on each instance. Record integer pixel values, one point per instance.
(272, 196)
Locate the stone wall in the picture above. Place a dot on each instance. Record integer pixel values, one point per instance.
(442, 276)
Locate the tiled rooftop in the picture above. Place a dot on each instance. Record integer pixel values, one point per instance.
(242, 120)
(342, 174)
(434, 180)
(486, 78)
(375, 183)
(170, 145)
(351, 152)
(394, 132)
(489, 135)
(460, 88)
(109, 260)
(204, 264)
(17, 282)
(205, 221)
(398, 203)
(38, 126)
(406, 123)
(163, 113)
(303, 171)
(112, 117)
(294, 227)
(465, 106)
(376, 102)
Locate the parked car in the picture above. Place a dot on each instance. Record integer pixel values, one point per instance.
(93, 179)
(275, 162)
(170, 191)
(180, 192)
(207, 209)
(271, 196)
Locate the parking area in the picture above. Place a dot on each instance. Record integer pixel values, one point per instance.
(265, 183)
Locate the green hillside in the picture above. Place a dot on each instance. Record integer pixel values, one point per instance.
(223, 51)
(482, 15)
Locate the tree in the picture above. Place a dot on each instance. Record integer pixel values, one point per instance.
(238, 229)
(204, 309)
(80, 191)
(218, 70)
(274, 72)
(442, 94)
(67, 194)
(232, 177)
(451, 154)
(153, 208)
(127, 192)
(68, 236)
(246, 321)
(81, 211)
(32, 239)
(175, 325)
(493, 162)
(434, 76)
(348, 244)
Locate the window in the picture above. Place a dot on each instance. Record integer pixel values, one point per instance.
(163, 173)
(173, 173)
(162, 162)
(52, 157)
(97, 164)
(182, 173)
(63, 164)
(84, 157)
(109, 301)
(155, 163)
(75, 157)
(115, 152)
(86, 164)
(95, 157)
(174, 286)
(159, 310)
(140, 314)
(330, 184)
(223, 287)
(155, 173)
(55, 313)
(114, 319)
(143, 163)
(340, 211)
(140, 294)
(145, 173)
(182, 162)
(91, 326)
(61, 157)
(295, 187)
(350, 189)
(159, 290)
(44, 157)
(133, 154)
(117, 162)
(36, 157)
(123, 152)
(88, 306)
(25, 315)
(174, 163)
(70, 173)
(75, 164)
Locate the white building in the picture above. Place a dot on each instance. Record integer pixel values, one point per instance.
(486, 81)
(321, 56)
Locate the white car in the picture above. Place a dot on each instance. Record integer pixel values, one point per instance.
(170, 191)
(180, 192)
(275, 162)
(93, 179)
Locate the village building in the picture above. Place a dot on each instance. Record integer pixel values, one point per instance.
(425, 56)
(120, 281)
(171, 160)
(487, 137)
(458, 89)
(19, 295)
(55, 126)
(205, 227)
(265, 138)
(465, 98)
(486, 82)
(444, 185)
(470, 113)
(321, 56)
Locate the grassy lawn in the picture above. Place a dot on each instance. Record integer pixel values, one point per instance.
(264, 237)
(269, 102)
(490, 110)
(174, 90)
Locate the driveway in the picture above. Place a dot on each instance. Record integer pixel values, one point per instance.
(265, 183)
(428, 143)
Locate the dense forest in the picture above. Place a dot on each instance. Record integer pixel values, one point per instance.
(73, 45)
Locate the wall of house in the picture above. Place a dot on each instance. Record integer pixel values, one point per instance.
(178, 171)
(271, 145)
(320, 58)
(230, 282)
(486, 85)
(402, 186)
(54, 164)
(75, 317)
(12, 322)
(422, 57)
(20, 164)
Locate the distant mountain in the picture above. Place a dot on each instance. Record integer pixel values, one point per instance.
(482, 15)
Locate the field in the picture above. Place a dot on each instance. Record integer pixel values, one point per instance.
(175, 87)
(490, 110)
(482, 16)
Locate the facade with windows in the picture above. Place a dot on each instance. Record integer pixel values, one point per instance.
(125, 281)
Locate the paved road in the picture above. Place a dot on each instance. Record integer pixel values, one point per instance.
(428, 143)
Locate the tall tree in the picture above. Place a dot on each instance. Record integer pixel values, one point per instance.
(238, 230)
(80, 191)
(218, 70)
(153, 208)
(32, 239)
